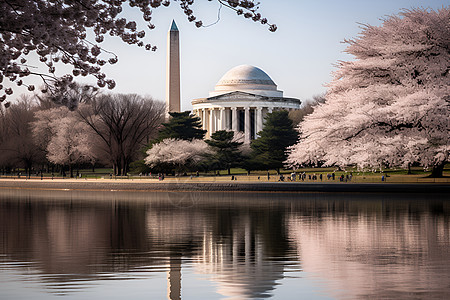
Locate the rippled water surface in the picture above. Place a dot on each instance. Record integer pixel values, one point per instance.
(202, 245)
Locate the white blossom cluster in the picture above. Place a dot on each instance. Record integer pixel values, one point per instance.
(57, 30)
(177, 152)
(390, 106)
(65, 139)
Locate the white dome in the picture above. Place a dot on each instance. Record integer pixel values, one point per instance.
(246, 78)
(246, 74)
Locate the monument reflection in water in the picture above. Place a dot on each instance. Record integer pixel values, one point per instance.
(164, 245)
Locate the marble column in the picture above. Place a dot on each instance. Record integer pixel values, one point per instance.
(204, 119)
(217, 118)
(211, 121)
(259, 120)
(222, 119)
(227, 119)
(247, 125)
(234, 119)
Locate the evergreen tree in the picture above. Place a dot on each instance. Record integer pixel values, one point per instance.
(269, 150)
(226, 151)
(182, 125)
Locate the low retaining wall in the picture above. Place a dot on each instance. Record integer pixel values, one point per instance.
(138, 185)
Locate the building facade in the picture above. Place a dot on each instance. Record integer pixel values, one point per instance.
(240, 101)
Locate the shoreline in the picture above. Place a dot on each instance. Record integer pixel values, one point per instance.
(143, 185)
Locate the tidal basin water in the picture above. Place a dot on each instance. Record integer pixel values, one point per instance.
(218, 245)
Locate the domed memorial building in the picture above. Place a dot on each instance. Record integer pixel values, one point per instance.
(240, 101)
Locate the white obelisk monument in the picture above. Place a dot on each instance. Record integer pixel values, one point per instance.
(173, 102)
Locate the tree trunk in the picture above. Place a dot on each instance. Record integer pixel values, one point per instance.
(409, 169)
(28, 166)
(125, 168)
(438, 171)
(71, 170)
(119, 168)
(229, 171)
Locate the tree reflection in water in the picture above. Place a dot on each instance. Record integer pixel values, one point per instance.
(245, 244)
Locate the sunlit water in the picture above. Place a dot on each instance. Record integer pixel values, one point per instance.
(165, 245)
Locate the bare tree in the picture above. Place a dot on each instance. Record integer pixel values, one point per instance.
(122, 125)
(307, 108)
(17, 147)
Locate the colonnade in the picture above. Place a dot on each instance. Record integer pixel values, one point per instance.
(249, 120)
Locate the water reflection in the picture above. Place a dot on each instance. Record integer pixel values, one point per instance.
(244, 245)
(377, 249)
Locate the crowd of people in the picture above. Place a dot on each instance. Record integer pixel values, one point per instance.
(313, 177)
(281, 177)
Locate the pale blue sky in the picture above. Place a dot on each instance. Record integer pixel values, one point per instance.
(299, 56)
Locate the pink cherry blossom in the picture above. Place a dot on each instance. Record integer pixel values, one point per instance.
(390, 106)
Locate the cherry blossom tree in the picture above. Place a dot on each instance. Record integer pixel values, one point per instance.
(177, 153)
(59, 31)
(44, 128)
(71, 96)
(70, 144)
(390, 106)
(66, 140)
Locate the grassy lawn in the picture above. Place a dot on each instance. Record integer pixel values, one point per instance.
(390, 175)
